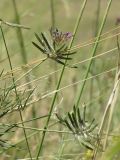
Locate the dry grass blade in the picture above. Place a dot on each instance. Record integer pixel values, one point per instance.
(110, 104)
(113, 103)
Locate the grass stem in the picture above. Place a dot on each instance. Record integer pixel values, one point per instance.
(60, 79)
(93, 52)
(17, 97)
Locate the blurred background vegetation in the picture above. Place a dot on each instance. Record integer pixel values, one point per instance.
(37, 15)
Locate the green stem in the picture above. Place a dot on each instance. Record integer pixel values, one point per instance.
(60, 79)
(52, 13)
(20, 35)
(23, 53)
(97, 17)
(62, 146)
(16, 91)
(93, 52)
(95, 31)
(40, 130)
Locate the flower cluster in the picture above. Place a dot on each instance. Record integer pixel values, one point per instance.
(59, 37)
(78, 125)
(56, 48)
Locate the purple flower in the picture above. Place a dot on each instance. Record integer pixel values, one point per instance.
(58, 49)
(59, 37)
(67, 35)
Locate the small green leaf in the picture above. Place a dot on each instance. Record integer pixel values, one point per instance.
(38, 38)
(71, 120)
(75, 121)
(66, 54)
(59, 61)
(69, 126)
(79, 117)
(61, 57)
(46, 41)
(58, 50)
(42, 50)
(84, 113)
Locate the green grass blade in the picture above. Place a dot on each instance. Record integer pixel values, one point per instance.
(60, 78)
(94, 51)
